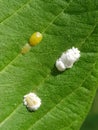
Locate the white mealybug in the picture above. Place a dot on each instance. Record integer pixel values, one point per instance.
(32, 101)
(67, 59)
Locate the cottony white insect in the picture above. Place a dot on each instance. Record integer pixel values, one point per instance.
(32, 101)
(67, 59)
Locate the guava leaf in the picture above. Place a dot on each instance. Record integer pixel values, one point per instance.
(66, 97)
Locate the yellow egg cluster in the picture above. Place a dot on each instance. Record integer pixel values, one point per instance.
(34, 40)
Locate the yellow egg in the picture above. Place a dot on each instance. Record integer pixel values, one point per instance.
(35, 38)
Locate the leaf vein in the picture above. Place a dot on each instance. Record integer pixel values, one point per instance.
(15, 12)
(42, 32)
(30, 128)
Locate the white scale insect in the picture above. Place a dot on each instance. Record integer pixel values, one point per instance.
(32, 101)
(67, 59)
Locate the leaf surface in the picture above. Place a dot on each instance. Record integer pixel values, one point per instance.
(66, 97)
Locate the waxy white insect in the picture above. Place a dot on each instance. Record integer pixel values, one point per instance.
(32, 101)
(67, 59)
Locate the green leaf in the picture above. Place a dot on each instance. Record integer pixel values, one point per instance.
(66, 97)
